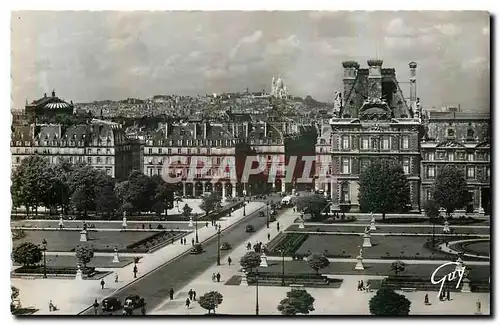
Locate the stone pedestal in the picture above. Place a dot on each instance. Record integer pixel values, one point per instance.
(83, 235)
(367, 240)
(481, 211)
(263, 260)
(190, 221)
(283, 186)
(61, 223)
(293, 191)
(116, 259)
(446, 228)
(79, 274)
(244, 281)
(466, 285)
(124, 222)
(460, 264)
(359, 263)
(301, 224)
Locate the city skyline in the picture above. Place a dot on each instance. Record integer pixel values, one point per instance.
(89, 56)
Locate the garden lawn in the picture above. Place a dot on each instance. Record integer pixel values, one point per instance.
(66, 241)
(389, 229)
(481, 248)
(409, 246)
(477, 272)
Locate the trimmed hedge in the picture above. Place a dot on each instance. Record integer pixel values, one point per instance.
(53, 270)
(290, 244)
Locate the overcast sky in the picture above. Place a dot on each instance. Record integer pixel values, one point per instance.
(90, 56)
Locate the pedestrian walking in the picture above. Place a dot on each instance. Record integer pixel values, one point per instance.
(188, 302)
(448, 295)
(249, 246)
(426, 299)
(135, 271)
(206, 224)
(150, 226)
(362, 285)
(278, 226)
(96, 306)
(173, 241)
(171, 293)
(367, 287)
(359, 285)
(116, 278)
(190, 293)
(293, 209)
(214, 277)
(229, 260)
(102, 284)
(268, 236)
(52, 307)
(143, 310)
(143, 226)
(194, 295)
(192, 241)
(218, 277)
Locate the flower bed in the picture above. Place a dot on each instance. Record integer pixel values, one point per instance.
(290, 244)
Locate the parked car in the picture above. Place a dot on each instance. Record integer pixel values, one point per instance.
(225, 246)
(133, 302)
(262, 214)
(111, 304)
(197, 249)
(249, 228)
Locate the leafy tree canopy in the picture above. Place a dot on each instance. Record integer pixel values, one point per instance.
(84, 254)
(27, 254)
(312, 204)
(383, 188)
(450, 188)
(318, 261)
(297, 301)
(210, 300)
(386, 302)
(250, 260)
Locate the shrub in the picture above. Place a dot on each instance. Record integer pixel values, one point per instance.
(27, 254)
(160, 226)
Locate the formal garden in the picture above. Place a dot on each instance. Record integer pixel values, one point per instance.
(407, 230)
(102, 241)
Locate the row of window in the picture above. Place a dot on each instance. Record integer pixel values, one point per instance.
(450, 155)
(201, 142)
(62, 143)
(364, 163)
(430, 172)
(375, 143)
(90, 160)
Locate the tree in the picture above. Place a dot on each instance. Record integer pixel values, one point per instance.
(450, 188)
(106, 201)
(210, 203)
(31, 182)
(84, 183)
(186, 211)
(431, 209)
(163, 195)
(141, 191)
(27, 254)
(297, 301)
(317, 262)
(250, 260)
(210, 300)
(84, 254)
(398, 267)
(312, 204)
(383, 188)
(389, 303)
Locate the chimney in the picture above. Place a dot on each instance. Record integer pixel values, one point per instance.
(375, 78)
(350, 74)
(205, 130)
(413, 86)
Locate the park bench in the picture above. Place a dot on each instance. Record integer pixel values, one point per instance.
(408, 289)
(296, 285)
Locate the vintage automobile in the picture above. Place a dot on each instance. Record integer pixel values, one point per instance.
(250, 228)
(133, 302)
(111, 304)
(225, 246)
(197, 249)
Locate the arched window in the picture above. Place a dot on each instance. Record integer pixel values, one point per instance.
(470, 133)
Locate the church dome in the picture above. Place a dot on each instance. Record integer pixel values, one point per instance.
(57, 105)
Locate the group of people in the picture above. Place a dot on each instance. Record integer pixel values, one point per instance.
(257, 247)
(361, 286)
(192, 297)
(216, 277)
(445, 295)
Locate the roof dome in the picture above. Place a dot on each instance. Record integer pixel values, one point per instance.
(57, 105)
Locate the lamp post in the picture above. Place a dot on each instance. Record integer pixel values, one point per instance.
(282, 267)
(244, 205)
(44, 243)
(257, 292)
(267, 209)
(196, 229)
(433, 231)
(218, 246)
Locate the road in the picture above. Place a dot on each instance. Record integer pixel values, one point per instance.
(155, 286)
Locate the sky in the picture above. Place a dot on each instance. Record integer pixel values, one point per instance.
(87, 56)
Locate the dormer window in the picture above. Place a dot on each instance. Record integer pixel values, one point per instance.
(450, 132)
(470, 133)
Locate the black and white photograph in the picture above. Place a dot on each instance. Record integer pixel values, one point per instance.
(257, 163)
